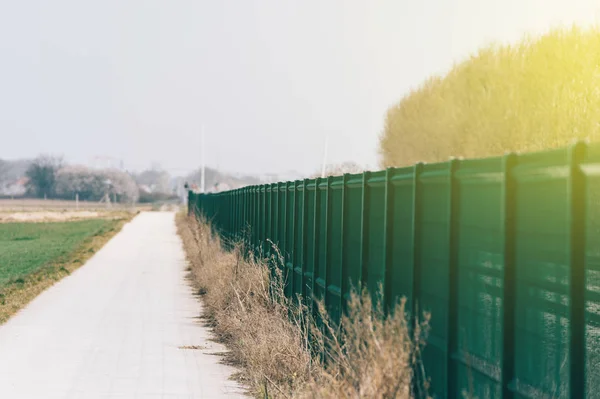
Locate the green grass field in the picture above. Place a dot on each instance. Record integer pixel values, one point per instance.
(27, 247)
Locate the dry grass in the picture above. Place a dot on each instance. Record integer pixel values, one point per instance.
(367, 356)
(374, 356)
(34, 205)
(538, 94)
(60, 216)
(16, 296)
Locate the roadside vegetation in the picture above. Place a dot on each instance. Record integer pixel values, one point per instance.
(538, 94)
(33, 256)
(366, 356)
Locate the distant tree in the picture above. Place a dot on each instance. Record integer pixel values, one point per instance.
(123, 185)
(42, 175)
(3, 171)
(340, 169)
(91, 184)
(158, 179)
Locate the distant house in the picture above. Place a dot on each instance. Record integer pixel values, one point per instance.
(14, 188)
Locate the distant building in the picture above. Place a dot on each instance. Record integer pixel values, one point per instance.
(15, 188)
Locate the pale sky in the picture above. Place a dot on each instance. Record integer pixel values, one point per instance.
(136, 79)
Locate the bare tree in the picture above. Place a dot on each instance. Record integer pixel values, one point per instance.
(90, 184)
(42, 175)
(158, 180)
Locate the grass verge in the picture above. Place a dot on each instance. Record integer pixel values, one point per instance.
(367, 355)
(36, 255)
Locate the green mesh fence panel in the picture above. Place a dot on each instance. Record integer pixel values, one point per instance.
(434, 255)
(299, 239)
(401, 235)
(321, 266)
(289, 215)
(299, 228)
(542, 276)
(311, 247)
(480, 274)
(263, 218)
(351, 272)
(591, 169)
(375, 233)
(334, 249)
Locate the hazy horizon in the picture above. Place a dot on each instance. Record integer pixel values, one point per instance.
(136, 81)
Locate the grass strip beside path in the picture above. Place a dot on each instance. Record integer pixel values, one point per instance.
(33, 256)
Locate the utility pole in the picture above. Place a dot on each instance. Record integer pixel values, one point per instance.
(202, 173)
(325, 156)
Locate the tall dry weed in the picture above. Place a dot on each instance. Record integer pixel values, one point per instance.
(368, 355)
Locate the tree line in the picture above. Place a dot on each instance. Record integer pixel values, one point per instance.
(50, 177)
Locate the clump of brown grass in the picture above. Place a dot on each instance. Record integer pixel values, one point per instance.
(249, 312)
(370, 354)
(366, 356)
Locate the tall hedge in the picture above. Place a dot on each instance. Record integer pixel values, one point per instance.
(538, 94)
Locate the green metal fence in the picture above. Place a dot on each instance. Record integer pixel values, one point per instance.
(504, 252)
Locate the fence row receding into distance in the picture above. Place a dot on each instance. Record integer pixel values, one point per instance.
(504, 252)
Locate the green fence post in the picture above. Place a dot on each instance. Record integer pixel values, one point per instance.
(509, 284)
(267, 216)
(257, 209)
(275, 223)
(388, 217)
(262, 218)
(254, 219)
(342, 238)
(275, 215)
(315, 244)
(303, 255)
(577, 192)
(283, 234)
(238, 212)
(416, 233)
(245, 206)
(327, 243)
(251, 226)
(241, 208)
(232, 212)
(251, 211)
(283, 209)
(257, 219)
(293, 249)
(452, 333)
(290, 213)
(364, 272)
